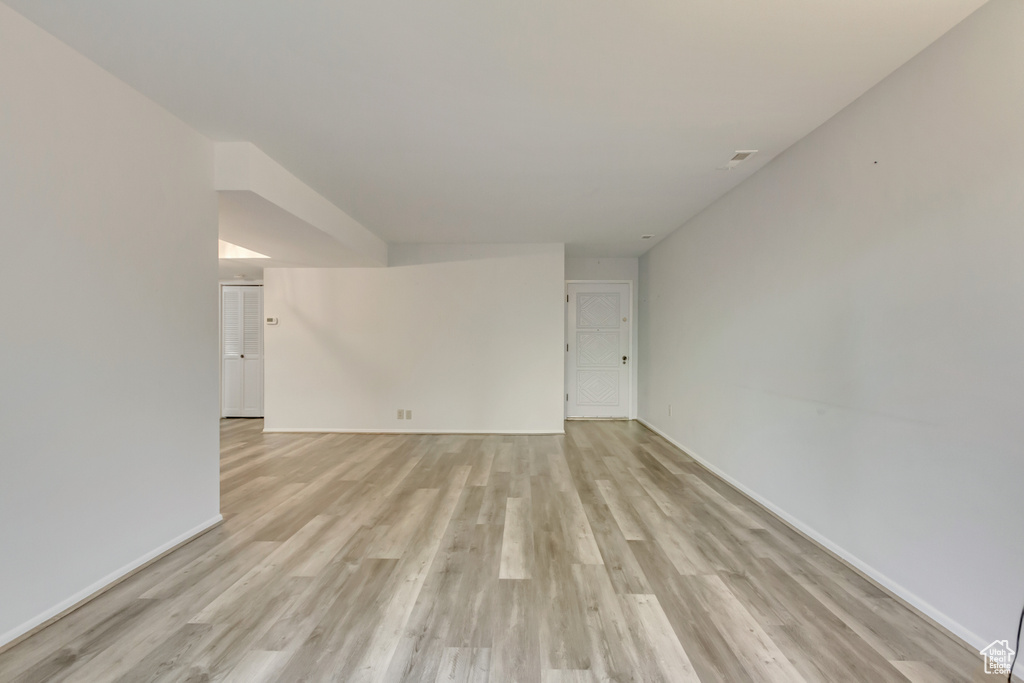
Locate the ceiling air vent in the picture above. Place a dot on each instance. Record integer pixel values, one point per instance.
(739, 157)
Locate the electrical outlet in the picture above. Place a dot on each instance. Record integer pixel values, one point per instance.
(401, 414)
(408, 414)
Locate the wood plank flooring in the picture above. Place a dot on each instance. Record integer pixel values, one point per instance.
(606, 554)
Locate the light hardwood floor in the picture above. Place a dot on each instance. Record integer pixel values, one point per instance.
(606, 554)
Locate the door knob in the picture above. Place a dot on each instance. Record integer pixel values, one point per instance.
(623, 360)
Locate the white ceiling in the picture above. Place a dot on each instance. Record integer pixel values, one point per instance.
(589, 123)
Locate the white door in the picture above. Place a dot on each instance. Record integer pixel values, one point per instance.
(597, 350)
(242, 351)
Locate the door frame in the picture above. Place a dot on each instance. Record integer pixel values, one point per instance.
(220, 340)
(633, 366)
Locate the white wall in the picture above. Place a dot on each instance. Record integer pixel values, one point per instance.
(845, 338)
(578, 268)
(108, 345)
(468, 338)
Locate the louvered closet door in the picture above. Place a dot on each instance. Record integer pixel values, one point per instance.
(242, 357)
(597, 350)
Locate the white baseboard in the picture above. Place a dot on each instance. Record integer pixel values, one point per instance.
(969, 638)
(332, 430)
(83, 596)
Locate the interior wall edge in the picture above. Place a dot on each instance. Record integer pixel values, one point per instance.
(969, 639)
(98, 588)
